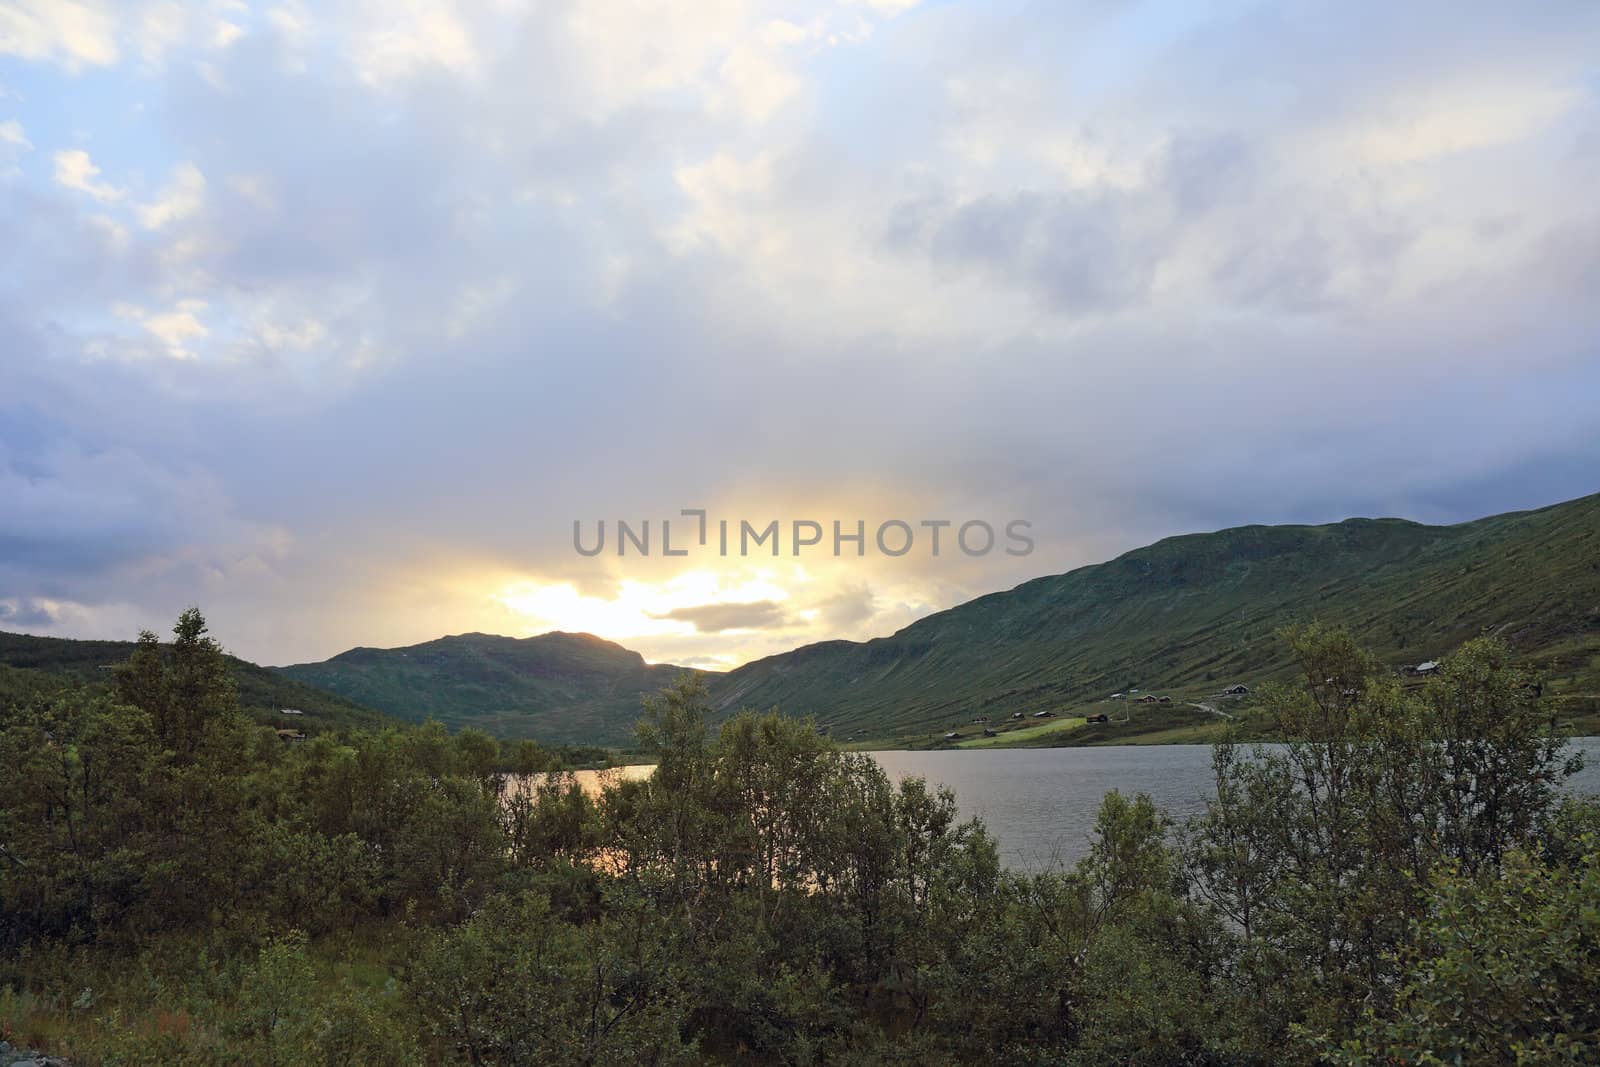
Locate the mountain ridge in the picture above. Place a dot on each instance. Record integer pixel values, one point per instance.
(1185, 613)
(559, 687)
(1389, 579)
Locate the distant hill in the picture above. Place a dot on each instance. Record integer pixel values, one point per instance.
(559, 688)
(1188, 614)
(32, 665)
(1202, 610)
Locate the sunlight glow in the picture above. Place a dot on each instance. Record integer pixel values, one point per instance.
(638, 609)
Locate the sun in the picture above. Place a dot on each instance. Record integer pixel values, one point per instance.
(638, 608)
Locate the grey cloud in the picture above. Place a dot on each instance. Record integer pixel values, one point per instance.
(1079, 253)
(617, 375)
(1206, 171)
(849, 607)
(715, 618)
(28, 614)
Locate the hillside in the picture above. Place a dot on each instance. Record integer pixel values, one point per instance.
(1202, 610)
(557, 687)
(34, 665)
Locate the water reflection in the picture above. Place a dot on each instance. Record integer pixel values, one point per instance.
(1040, 803)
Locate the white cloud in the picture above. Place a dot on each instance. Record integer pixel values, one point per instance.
(414, 35)
(183, 198)
(162, 25)
(631, 51)
(255, 189)
(225, 33)
(75, 170)
(68, 32)
(758, 84)
(11, 133)
(888, 7)
(984, 246)
(1477, 116)
(721, 190)
(174, 328)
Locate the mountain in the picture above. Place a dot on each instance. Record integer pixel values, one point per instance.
(557, 687)
(37, 665)
(1202, 610)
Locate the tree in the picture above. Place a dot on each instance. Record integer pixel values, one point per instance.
(185, 692)
(1321, 850)
(1504, 967)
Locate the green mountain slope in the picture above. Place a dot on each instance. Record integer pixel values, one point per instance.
(1202, 610)
(33, 665)
(559, 688)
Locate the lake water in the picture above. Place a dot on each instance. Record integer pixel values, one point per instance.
(1040, 803)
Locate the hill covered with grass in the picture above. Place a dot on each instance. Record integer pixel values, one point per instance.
(1185, 616)
(559, 688)
(32, 666)
(1200, 611)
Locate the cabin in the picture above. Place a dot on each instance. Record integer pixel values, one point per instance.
(1236, 691)
(1044, 715)
(1100, 718)
(1426, 668)
(291, 735)
(1148, 698)
(952, 736)
(1164, 700)
(989, 733)
(290, 711)
(1119, 696)
(1016, 714)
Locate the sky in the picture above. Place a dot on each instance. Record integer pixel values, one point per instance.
(332, 318)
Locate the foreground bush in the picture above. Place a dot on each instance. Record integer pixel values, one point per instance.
(1397, 883)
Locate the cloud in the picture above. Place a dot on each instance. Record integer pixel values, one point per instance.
(28, 614)
(75, 170)
(183, 198)
(375, 307)
(180, 325)
(717, 618)
(14, 144)
(63, 30)
(1079, 253)
(849, 607)
(11, 133)
(413, 36)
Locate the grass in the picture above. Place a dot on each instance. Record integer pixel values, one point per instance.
(1195, 613)
(175, 1001)
(1027, 733)
(558, 688)
(1200, 733)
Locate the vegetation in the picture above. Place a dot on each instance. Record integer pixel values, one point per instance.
(1033, 731)
(558, 687)
(1190, 615)
(1187, 616)
(53, 664)
(1401, 882)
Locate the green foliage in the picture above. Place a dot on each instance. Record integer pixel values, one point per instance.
(186, 691)
(558, 687)
(1321, 850)
(36, 665)
(513, 986)
(1503, 967)
(1201, 611)
(1400, 881)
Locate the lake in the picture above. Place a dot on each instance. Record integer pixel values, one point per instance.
(1040, 803)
